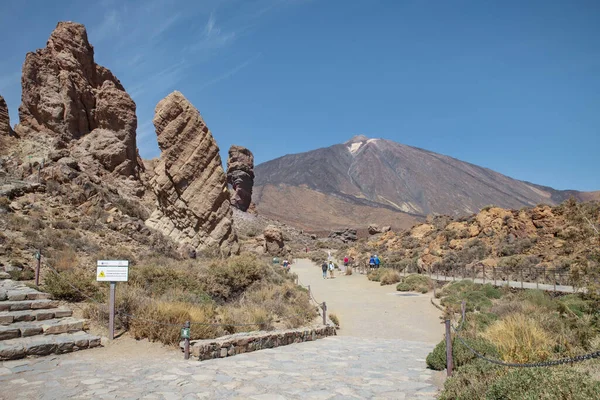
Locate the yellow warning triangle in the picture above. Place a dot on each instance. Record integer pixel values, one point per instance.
(101, 275)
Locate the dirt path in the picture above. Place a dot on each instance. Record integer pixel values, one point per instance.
(366, 309)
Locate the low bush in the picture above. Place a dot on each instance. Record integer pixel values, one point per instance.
(390, 277)
(415, 283)
(520, 339)
(334, 318)
(471, 381)
(461, 355)
(543, 384)
(70, 285)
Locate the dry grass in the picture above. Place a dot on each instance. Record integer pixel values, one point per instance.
(172, 313)
(520, 339)
(334, 318)
(390, 277)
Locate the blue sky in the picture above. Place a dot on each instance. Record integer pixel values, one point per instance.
(510, 85)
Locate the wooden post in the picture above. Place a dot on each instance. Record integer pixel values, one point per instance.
(448, 349)
(186, 341)
(324, 313)
(494, 275)
(555, 280)
(111, 311)
(483, 273)
(309, 293)
(537, 280)
(463, 309)
(38, 258)
(521, 277)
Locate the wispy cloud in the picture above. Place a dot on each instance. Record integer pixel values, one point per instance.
(108, 27)
(161, 81)
(212, 36)
(165, 25)
(230, 73)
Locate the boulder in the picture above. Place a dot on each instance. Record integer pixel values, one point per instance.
(345, 235)
(374, 229)
(68, 96)
(240, 175)
(5, 129)
(189, 181)
(274, 243)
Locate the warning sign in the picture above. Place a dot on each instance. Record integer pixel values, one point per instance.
(112, 271)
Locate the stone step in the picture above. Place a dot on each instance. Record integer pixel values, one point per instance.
(17, 291)
(27, 305)
(44, 345)
(49, 327)
(9, 317)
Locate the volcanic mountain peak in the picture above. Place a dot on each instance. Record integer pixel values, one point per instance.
(368, 180)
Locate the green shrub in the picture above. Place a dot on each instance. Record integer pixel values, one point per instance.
(544, 384)
(576, 304)
(26, 274)
(538, 298)
(71, 286)
(416, 283)
(470, 382)
(461, 355)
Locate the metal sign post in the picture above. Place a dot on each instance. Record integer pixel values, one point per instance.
(112, 271)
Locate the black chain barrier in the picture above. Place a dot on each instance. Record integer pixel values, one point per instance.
(551, 363)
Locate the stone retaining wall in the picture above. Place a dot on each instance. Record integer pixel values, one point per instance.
(246, 342)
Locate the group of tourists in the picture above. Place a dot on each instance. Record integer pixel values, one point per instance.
(328, 266)
(374, 261)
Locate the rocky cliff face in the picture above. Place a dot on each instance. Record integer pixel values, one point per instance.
(78, 102)
(240, 175)
(190, 185)
(5, 129)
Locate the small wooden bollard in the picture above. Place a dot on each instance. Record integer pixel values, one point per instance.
(537, 279)
(521, 278)
(324, 313)
(309, 293)
(483, 274)
(38, 258)
(494, 273)
(448, 349)
(555, 280)
(185, 335)
(463, 309)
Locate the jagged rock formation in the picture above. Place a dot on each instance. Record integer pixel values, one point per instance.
(345, 235)
(240, 175)
(189, 182)
(71, 98)
(5, 129)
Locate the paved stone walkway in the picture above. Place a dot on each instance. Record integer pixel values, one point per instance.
(379, 360)
(332, 368)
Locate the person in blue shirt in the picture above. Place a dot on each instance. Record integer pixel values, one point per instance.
(377, 261)
(372, 262)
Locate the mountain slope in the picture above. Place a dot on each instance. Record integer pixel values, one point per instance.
(368, 173)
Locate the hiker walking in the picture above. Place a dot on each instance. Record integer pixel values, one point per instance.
(372, 262)
(324, 268)
(377, 261)
(331, 268)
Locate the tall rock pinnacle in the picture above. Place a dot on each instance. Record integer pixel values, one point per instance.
(68, 96)
(190, 185)
(240, 175)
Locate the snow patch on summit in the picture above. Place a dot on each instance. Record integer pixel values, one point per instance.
(353, 148)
